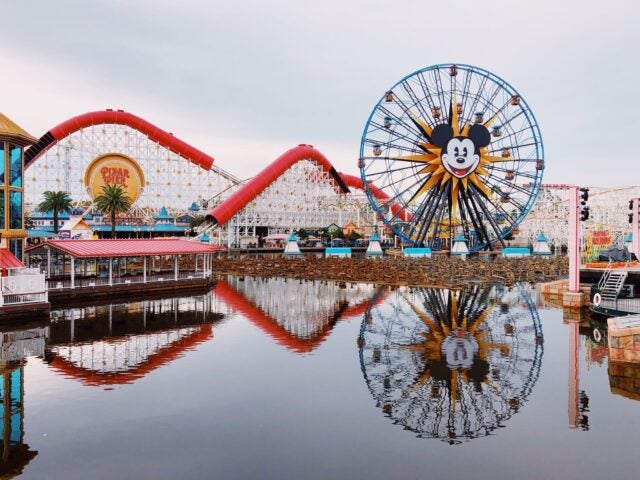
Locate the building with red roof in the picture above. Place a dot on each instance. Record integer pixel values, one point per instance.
(81, 268)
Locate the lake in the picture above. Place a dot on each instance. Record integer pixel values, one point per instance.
(274, 378)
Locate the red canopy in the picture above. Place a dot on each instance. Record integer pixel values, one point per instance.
(9, 260)
(128, 248)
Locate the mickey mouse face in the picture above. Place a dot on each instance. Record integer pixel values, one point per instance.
(460, 155)
(460, 158)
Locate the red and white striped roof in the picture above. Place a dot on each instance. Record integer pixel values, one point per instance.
(128, 248)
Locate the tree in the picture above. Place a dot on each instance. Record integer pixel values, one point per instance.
(29, 223)
(113, 200)
(56, 202)
(353, 236)
(196, 221)
(303, 234)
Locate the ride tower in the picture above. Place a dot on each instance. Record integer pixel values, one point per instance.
(13, 140)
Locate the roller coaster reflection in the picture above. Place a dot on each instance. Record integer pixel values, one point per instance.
(448, 364)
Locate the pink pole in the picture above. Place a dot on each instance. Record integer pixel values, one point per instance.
(574, 242)
(635, 237)
(574, 373)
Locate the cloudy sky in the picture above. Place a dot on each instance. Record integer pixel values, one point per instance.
(245, 81)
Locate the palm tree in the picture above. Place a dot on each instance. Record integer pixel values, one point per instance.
(58, 202)
(113, 200)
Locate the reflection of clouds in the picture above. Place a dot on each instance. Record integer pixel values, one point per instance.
(451, 364)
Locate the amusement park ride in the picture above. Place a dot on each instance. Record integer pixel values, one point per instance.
(445, 151)
(448, 150)
(174, 174)
(451, 145)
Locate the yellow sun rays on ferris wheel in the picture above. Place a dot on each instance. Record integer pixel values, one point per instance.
(430, 346)
(432, 158)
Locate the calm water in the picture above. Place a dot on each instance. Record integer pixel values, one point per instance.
(288, 379)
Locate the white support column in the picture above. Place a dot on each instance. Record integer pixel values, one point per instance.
(144, 269)
(48, 262)
(110, 271)
(196, 261)
(175, 268)
(73, 272)
(574, 241)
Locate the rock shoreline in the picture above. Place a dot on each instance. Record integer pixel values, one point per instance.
(439, 270)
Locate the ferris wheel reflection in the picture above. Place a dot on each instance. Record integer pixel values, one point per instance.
(450, 364)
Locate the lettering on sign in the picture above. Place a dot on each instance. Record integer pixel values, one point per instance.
(114, 169)
(117, 175)
(600, 237)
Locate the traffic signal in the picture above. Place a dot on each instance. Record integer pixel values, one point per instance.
(631, 215)
(584, 214)
(584, 195)
(584, 211)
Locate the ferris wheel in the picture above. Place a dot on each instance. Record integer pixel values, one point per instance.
(455, 150)
(452, 365)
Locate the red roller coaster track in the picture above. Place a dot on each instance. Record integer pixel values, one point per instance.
(236, 300)
(166, 355)
(356, 182)
(119, 117)
(239, 199)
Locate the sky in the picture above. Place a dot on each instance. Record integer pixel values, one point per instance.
(245, 81)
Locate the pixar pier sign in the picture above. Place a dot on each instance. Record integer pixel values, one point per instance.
(114, 169)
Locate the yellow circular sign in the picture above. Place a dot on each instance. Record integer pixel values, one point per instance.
(114, 169)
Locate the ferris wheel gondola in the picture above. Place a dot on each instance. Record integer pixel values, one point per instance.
(456, 149)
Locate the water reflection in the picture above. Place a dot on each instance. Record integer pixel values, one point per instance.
(624, 380)
(15, 346)
(120, 343)
(297, 314)
(452, 364)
